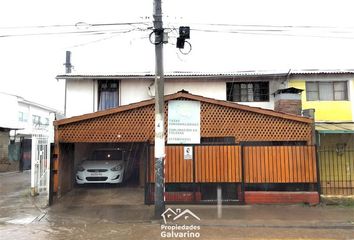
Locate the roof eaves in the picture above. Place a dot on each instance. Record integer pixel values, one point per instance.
(188, 96)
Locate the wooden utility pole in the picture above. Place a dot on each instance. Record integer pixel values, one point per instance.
(159, 111)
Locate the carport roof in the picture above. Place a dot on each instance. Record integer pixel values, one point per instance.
(185, 95)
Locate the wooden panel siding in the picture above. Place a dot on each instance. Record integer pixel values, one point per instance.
(218, 164)
(177, 169)
(280, 164)
(262, 164)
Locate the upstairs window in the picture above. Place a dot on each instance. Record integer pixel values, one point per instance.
(22, 117)
(36, 120)
(107, 94)
(327, 91)
(247, 91)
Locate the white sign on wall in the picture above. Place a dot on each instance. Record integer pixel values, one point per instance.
(188, 152)
(183, 122)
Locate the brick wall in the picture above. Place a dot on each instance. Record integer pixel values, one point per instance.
(288, 106)
(253, 197)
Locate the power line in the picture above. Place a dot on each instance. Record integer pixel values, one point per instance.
(272, 33)
(81, 32)
(78, 24)
(265, 25)
(84, 28)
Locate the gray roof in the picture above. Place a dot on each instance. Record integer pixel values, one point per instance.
(177, 74)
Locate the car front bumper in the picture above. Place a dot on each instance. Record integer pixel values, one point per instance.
(94, 177)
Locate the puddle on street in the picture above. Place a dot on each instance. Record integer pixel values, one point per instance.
(25, 220)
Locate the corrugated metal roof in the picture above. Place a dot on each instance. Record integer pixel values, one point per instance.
(321, 71)
(335, 127)
(179, 74)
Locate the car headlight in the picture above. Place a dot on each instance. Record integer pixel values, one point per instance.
(80, 169)
(117, 168)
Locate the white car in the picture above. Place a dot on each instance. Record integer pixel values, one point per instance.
(104, 166)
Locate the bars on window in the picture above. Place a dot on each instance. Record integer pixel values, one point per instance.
(248, 91)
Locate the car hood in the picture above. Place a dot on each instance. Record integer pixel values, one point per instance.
(101, 164)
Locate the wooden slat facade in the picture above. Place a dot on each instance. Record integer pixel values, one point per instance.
(280, 164)
(223, 164)
(177, 170)
(218, 164)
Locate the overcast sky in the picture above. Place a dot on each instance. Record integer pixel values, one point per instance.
(226, 36)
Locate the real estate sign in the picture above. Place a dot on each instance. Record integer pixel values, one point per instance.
(183, 122)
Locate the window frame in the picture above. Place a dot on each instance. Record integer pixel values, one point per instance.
(99, 91)
(332, 83)
(230, 88)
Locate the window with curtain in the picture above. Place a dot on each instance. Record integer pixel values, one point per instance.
(107, 94)
(327, 91)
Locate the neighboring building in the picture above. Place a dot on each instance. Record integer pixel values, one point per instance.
(330, 94)
(24, 118)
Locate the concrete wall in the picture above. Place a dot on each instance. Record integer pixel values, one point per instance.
(138, 90)
(82, 95)
(5, 164)
(4, 142)
(9, 111)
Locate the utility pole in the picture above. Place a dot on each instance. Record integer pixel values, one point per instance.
(159, 111)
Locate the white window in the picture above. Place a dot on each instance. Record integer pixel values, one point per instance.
(107, 94)
(326, 91)
(22, 117)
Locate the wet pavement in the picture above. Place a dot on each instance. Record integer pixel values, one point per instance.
(111, 212)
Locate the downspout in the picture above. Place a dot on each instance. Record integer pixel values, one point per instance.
(65, 95)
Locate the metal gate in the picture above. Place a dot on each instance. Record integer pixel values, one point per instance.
(40, 169)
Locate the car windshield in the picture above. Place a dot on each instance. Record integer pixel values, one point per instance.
(107, 155)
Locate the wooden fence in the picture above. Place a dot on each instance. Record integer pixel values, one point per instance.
(223, 164)
(280, 164)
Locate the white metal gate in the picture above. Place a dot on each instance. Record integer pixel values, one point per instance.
(40, 169)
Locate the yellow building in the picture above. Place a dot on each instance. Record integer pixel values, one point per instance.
(329, 94)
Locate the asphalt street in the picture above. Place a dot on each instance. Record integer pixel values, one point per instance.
(107, 212)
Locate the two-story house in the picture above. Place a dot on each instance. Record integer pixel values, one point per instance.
(85, 93)
(330, 95)
(23, 118)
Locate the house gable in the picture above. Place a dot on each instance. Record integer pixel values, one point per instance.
(135, 123)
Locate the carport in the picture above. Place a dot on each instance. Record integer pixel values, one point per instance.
(247, 151)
